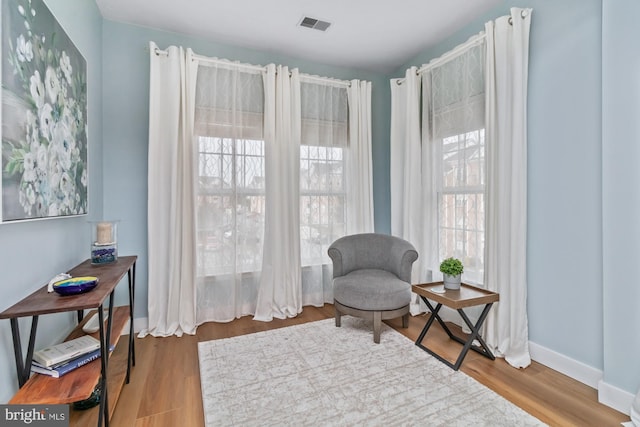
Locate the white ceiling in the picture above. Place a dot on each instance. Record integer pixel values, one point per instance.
(374, 35)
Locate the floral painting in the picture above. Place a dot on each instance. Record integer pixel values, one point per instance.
(44, 116)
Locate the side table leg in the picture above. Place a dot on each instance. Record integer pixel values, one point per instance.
(475, 334)
(434, 316)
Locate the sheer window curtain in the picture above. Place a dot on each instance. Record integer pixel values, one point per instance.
(229, 119)
(335, 175)
(323, 201)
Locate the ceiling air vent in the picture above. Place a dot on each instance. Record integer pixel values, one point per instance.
(315, 24)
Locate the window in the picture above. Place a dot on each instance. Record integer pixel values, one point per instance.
(322, 200)
(461, 199)
(230, 205)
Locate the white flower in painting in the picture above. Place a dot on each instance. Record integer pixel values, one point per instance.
(66, 185)
(21, 10)
(27, 26)
(53, 210)
(65, 66)
(37, 89)
(63, 144)
(46, 120)
(30, 195)
(52, 83)
(29, 163)
(31, 131)
(40, 203)
(41, 158)
(22, 198)
(67, 119)
(84, 178)
(55, 173)
(24, 50)
(33, 12)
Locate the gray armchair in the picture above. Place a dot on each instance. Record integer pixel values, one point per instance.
(372, 278)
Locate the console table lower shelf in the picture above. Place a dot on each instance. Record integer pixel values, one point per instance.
(79, 384)
(115, 382)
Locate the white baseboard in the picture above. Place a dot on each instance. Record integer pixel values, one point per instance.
(608, 394)
(615, 398)
(559, 362)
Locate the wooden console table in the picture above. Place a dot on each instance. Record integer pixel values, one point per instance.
(80, 383)
(467, 296)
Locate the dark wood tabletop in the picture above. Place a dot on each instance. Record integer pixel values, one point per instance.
(467, 296)
(43, 302)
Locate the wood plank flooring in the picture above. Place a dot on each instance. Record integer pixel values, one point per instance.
(165, 383)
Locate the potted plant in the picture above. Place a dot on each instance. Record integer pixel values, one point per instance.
(452, 269)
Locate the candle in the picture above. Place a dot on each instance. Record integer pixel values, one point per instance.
(105, 231)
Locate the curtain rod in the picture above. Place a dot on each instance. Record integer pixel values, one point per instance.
(303, 76)
(473, 40)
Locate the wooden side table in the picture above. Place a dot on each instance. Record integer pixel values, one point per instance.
(467, 296)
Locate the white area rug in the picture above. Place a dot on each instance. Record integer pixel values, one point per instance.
(315, 374)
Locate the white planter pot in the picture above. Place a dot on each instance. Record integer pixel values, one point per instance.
(452, 283)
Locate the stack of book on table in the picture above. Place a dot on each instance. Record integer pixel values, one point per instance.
(63, 358)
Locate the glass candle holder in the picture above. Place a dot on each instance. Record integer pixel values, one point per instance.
(104, 242)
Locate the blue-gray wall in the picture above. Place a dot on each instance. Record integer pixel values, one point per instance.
(33, 252)
(621, 194)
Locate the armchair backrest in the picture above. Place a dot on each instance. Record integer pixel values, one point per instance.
(373, 251)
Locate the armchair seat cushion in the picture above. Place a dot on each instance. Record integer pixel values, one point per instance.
(371, 289)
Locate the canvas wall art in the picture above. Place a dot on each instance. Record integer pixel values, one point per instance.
(44, 116)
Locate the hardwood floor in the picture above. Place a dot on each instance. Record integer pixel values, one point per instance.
(165, 383)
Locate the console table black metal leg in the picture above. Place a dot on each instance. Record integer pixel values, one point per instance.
(23, 368)
(131, 357)
(105, 344)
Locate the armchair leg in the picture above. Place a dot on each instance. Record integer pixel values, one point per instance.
(338, 317)
(405, 321)
(377, 325)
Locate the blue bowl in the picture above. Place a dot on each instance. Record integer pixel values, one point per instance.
(75, 285)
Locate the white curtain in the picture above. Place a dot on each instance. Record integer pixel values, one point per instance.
(506, 328)
(474, 97)
(280, 293)
(228, 146)
(406, 170)
(171, 213)
(405, 165)
(359, 168)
